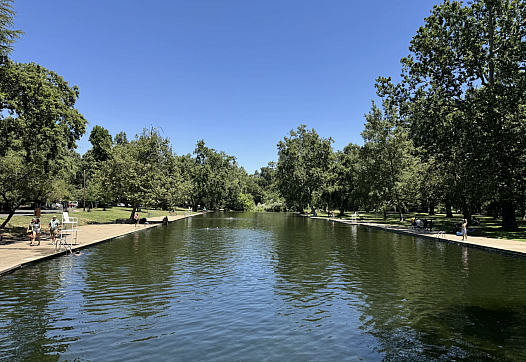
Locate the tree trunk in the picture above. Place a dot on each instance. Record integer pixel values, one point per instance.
(431, 208)
(466, 211)
(508, 216)
(11, 213)
(449, 213)
(133, 211)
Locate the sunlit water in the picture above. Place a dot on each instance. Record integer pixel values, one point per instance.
(266, 287)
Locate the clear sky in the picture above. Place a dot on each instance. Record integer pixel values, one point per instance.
(238, 74)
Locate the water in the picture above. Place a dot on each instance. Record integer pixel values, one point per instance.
(266, 287)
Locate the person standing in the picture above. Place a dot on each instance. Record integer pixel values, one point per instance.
(30, 233)
(54, 226)
(37, 230)
(464, 230)
(136, 220)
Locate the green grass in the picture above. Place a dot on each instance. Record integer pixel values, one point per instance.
(489, 227)
(18, 224)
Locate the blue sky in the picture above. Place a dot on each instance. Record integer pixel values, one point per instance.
(238, 74)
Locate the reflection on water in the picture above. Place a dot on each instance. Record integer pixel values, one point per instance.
(266, 287)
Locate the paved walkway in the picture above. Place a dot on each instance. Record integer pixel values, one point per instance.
(15, 253)
(513, 247)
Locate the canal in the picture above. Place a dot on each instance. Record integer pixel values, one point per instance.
(266, 287)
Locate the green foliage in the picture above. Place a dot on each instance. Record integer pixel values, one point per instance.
(341, 189)
(143, 171)
(391, 169)
(101, 142)
(303, 165)
(121, 139)
(38, 128)
(463, 94)
(215, 178)
(245, 202)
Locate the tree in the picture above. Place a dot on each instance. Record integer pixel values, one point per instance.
(304, 160)
(143, 171)
(212, 178)
(463, 92)
(7, 37)
(342, 186)
(121, 139)
(38, 127)
(101, 142)
(390, 163)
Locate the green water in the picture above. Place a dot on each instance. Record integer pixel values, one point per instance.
(266, 287)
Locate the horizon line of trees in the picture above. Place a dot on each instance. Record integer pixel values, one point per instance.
(449, 136)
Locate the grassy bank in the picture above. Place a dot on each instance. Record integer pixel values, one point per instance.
(18, 224)
(489, 227)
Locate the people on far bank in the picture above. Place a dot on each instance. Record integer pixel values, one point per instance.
(417, 223)
(136, 217)
(54, 226)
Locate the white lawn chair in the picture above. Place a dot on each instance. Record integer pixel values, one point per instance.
(68, 232)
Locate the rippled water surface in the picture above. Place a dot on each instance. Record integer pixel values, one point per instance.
(266, 287)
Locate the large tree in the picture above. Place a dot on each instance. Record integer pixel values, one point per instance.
(391, 167)
(38, 127)
(303, 165)
(143, 171)
(463, 89)
(101, 143)
(213, 173)
(341, 189)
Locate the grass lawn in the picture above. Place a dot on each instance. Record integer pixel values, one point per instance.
(489, 227)
(18, 224)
